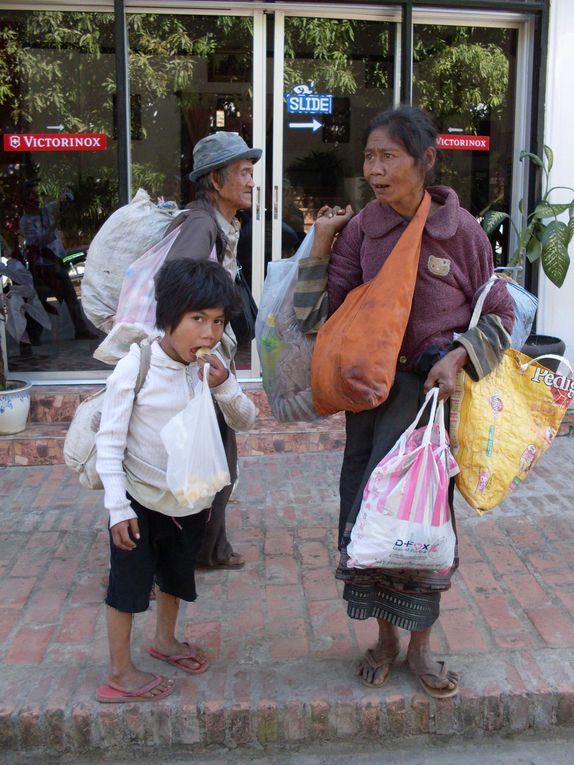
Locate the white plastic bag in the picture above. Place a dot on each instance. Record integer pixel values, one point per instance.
(137, 304)
(525, 305)
(196, 463)
(404, 520)
(284, 350)
(124, 237)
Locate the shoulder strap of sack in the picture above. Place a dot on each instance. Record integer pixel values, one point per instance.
(409, 241)
(145, 361)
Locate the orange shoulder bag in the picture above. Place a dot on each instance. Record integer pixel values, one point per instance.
(355, 356)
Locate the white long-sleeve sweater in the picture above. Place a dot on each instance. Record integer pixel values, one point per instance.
(130, 453)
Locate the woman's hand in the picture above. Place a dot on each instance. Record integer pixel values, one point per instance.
(330, 220)
(443, 374)
(124, 533)
(218, 372)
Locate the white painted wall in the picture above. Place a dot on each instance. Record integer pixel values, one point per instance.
(556, 311)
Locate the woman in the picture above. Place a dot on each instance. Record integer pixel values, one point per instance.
(455, 261)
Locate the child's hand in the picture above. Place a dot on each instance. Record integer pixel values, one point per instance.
(124, 533)
(218, 372)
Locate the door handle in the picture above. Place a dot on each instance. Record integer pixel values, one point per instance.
(258, 203)
(275, 202)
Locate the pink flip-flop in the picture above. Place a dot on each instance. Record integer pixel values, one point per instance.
(106, 694)
(177, 658)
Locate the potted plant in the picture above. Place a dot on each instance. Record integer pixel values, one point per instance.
(542, 238)
(14, 394)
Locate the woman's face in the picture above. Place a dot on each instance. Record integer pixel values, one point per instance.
(393, 173)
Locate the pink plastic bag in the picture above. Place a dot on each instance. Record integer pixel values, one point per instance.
(404, 519)
(137, 297)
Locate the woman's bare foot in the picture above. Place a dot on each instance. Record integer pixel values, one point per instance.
(375, 666)
(433, 675)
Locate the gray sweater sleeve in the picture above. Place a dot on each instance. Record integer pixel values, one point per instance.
(196, 238)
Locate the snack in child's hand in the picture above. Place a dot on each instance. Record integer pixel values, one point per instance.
(202, 352)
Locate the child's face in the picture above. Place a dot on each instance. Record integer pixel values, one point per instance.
(196, 329)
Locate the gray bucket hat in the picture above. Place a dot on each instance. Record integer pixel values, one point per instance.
(217, 150)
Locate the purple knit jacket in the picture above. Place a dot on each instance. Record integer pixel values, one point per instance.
(456, 259)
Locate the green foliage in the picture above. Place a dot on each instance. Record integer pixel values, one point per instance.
(541, 236)
(459, 73)
(320, 50)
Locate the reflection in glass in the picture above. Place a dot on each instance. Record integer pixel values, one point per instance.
(465, 77)
(193, 77)
(350, 60)
(58, 77)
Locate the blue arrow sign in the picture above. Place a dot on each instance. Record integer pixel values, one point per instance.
(314, 125)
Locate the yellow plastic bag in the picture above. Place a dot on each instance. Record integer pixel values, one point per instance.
(502, 425)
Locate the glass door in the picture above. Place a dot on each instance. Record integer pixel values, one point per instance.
(469, 77)
(201, 78)
(58, 180)
(331, 77)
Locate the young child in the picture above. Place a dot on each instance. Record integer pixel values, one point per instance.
(151, 538)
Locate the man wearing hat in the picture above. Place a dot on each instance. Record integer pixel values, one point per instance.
(223, 171)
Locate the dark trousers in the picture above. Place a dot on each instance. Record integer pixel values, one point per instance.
(216, 547)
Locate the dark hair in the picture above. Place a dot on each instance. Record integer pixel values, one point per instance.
(413, 127)
(184, 285)
(204, 184)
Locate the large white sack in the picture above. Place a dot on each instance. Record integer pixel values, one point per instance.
(124, 237)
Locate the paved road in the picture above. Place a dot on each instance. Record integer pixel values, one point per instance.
(524, 750)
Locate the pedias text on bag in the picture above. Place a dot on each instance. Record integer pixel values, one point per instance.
(552, 380)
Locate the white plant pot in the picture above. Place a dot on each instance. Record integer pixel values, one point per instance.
(14, 407)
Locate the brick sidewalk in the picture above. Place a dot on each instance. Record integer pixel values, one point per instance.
(281, 646)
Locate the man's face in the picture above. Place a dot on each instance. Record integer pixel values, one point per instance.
(235, 193)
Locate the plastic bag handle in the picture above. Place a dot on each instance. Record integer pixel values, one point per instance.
(487, 286)
(561, 359)
(437, 409)
(204, 384)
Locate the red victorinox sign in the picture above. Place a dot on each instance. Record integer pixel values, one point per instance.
(57, 142)
(463, 142)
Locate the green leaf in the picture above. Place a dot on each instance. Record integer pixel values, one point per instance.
(555, 259)
(533, 249)
(532, 157)
(549, 210)
(493, 220)
(525, 236)
(521, 207)
(549, 157)
(571, 221)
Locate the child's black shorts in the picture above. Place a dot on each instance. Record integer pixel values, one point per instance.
(166, 552)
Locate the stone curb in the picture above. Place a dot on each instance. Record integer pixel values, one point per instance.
(57, 729)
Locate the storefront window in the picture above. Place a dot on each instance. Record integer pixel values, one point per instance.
(304, 85)
(465, 76)
(189, 76)
(339, 73)
(58, 178)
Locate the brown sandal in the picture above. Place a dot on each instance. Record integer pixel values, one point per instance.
(374, 665)
(442, 674)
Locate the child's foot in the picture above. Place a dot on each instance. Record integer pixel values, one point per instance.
(188, 658)
(151, 688)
